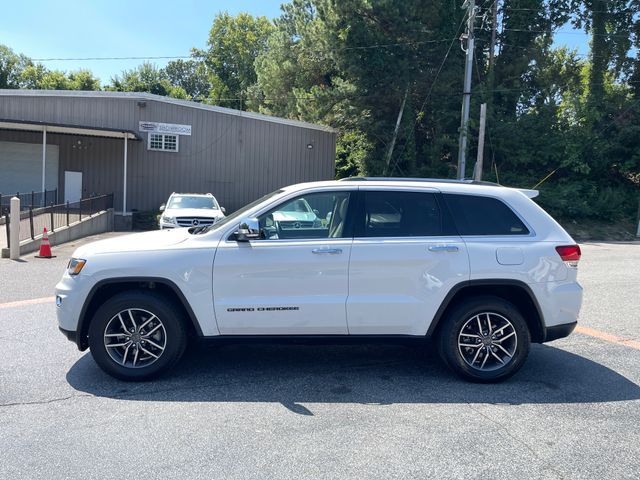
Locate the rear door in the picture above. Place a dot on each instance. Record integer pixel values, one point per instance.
(404, 259)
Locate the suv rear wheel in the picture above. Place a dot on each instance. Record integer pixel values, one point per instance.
(484, 339)
(137, 335)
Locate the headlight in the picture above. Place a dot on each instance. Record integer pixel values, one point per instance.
(75, 266)
(168, 219)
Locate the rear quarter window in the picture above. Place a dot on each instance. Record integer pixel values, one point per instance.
(478, 215)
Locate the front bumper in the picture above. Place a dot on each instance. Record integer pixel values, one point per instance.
(71, 335)
(71, 293)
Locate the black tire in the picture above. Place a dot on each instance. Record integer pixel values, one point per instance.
(452, 340)
(172, 329)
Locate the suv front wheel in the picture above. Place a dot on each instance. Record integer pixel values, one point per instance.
(137, 335)
(484, 339)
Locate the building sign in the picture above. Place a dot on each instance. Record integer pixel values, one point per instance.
(171, 128)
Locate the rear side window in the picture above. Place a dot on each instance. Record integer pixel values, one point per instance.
(476, 215)
(400, 214)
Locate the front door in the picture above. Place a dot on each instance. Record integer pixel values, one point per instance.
(72, 186)
(292, 281)
(405, 258)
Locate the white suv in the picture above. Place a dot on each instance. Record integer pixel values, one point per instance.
(479, 268)
(190, 210)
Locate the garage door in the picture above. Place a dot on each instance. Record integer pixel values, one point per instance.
(21, 167)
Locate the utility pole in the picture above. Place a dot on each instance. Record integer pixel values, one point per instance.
(395, 132)
(494, 27)
(477, 171)
(470, 5)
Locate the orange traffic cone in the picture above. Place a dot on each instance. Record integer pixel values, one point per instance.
(45, 247)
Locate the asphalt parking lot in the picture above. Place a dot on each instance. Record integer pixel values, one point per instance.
(300, 411)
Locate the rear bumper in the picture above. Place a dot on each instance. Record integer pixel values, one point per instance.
(559, 303)
(559, 331)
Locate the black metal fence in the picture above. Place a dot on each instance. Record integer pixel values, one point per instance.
(34, 220)
(30, 199)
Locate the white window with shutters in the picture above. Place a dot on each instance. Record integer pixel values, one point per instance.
(162, 142)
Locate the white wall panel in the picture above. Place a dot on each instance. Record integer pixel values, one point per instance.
(21, 167)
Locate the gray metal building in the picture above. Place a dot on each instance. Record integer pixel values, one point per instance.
(142, 147)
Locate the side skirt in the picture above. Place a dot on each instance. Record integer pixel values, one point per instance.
(316, 339)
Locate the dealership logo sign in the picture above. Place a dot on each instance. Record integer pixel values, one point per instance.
(159, 127)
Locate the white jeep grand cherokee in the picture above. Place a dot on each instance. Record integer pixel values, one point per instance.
(480, 268)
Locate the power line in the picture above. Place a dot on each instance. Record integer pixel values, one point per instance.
(426, 98)
(82, 59)
(565, 32)
(388, 45)
(577, 54)
(514, 9)
(170, 57)
(451, 94)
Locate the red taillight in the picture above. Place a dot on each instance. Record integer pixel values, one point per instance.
(569, 253)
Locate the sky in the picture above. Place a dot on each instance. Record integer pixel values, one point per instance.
(128, 28)
(115, 28)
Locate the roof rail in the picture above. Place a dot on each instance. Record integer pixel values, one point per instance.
(426, 180)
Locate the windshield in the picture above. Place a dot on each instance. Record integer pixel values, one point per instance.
(235, 215)
(192, 201)
(297, 206)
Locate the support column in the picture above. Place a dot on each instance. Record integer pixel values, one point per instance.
(124, 180)
(14, 230)
(44, 159)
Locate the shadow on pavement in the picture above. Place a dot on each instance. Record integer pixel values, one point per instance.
(383, 375)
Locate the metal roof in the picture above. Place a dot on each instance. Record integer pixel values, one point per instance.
(67, 129)
(163, 99)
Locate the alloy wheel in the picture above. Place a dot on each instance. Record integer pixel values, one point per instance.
(135, 338)
(487, 341)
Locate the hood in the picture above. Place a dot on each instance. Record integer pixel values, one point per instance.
(135, 242)
(193, 212)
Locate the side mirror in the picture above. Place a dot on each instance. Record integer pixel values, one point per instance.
(249, 229)
(162, 207)
(316, 212)
(223, 210)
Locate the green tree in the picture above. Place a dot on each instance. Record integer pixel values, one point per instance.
(191, 76)
(12, 66)
(19, 71)
(83, 80)
(296, 68)
(146, 78)
(234, 44)
(36, 76)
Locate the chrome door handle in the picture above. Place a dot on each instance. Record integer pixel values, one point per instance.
(443, 248)
(330, 251)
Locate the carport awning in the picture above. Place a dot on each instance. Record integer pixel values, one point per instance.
(46, 127)
(34, 126)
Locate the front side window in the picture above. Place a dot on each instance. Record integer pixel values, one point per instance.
(163, 142)
(477, 215)
(314, 215)
(400, 214)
